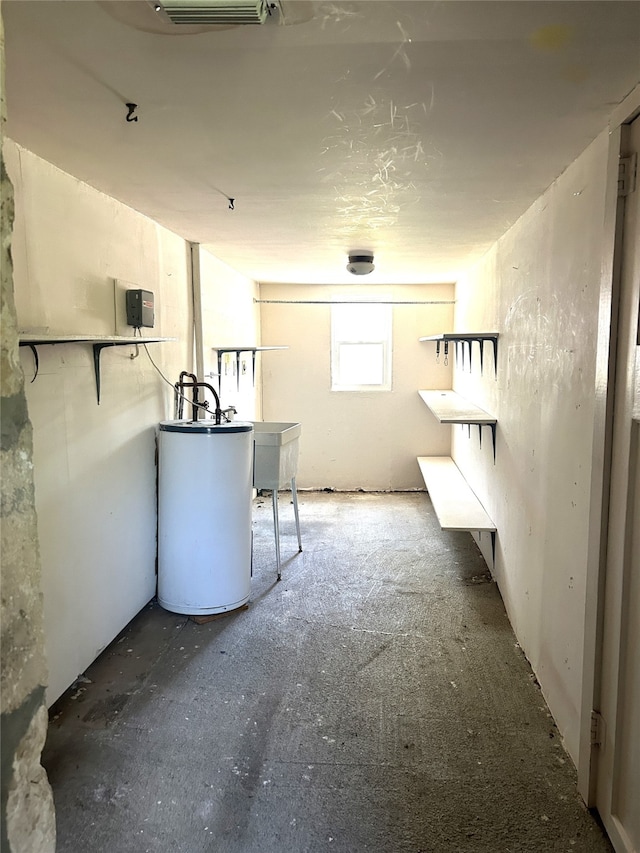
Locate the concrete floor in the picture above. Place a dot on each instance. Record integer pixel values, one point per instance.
(374, 700)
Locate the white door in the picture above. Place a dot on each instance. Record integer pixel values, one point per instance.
(618, 783)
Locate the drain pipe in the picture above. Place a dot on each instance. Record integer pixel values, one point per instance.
(196, 291)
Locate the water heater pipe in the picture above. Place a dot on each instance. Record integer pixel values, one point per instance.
(196, 290)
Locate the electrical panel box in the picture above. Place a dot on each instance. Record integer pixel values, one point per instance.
(140, 308)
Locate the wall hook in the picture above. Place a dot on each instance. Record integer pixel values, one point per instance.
(231, 203)
(130, 115)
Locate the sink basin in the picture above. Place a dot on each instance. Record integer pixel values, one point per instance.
(275, 453)
(275, 432)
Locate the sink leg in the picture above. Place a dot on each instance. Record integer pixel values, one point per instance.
(276, 529)
(294, 495)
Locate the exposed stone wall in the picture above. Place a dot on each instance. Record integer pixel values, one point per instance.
(26, 803)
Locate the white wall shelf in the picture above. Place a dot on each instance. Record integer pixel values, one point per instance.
(450, 408)
(98, 343)
(454, 502)
(462, 338)
(238, 352)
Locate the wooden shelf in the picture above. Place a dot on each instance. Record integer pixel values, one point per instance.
(33, 339)
(450, 408)
(245, 349)
(98, 343)
(238, 350)
(454, 502)
(462, 338)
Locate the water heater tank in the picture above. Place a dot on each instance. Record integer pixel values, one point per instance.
(205, 475)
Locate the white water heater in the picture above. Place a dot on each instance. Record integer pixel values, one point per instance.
(205, 479)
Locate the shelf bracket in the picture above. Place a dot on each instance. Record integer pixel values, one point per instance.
(36, 359)
(238, 354)
(493, 544)
(97, 350)
(219, 355)
(493, 437)
(493, 340)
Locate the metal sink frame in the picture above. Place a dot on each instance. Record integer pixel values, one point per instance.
(275, 463)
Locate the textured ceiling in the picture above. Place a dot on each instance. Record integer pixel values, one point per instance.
(418, 130)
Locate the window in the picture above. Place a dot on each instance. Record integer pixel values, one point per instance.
(360, 347)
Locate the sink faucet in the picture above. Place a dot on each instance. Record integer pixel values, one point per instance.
(229, 412)
(196, 402)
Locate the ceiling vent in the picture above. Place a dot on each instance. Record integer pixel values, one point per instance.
(214, 12)
(361, 264)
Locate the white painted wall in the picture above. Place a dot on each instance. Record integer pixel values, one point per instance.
(230, 317)
(539, 288)
(95, 470)
(353, 440)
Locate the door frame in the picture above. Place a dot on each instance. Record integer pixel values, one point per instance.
(610, 278)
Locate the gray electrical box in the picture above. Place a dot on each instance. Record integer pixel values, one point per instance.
(140, 308)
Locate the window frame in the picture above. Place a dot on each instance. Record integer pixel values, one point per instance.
(385, 341)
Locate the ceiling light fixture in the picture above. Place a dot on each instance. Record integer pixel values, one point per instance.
(361, 264)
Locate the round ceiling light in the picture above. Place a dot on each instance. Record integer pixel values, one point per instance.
(361, 264)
